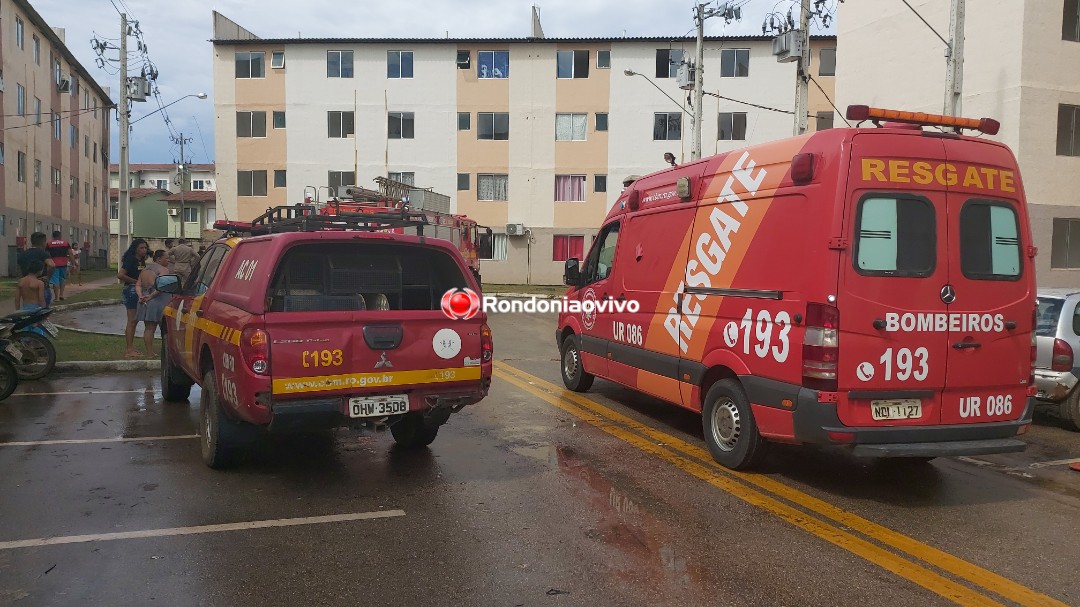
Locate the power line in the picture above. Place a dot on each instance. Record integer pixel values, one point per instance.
(202, 140)
(838, 112)
(23, 126)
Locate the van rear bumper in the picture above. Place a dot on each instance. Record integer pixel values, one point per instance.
(946, 449)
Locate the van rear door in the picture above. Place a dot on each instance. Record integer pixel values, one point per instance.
(892, 349)
(989, 360)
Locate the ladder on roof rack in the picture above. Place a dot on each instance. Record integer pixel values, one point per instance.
(304, 218)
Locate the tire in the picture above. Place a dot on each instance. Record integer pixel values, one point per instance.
(175, 384)
(220, 438)
(39, 355)
(731, 433)
(412, 432)
(9, 378)
(1069, 410)
(574, 376)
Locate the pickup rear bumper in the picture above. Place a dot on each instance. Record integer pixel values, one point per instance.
(330, 412)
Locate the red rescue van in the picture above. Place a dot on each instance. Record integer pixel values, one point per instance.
(870, 287)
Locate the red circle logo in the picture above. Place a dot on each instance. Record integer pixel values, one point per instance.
(460, 304)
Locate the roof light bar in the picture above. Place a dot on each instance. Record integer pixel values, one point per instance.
(988, 126)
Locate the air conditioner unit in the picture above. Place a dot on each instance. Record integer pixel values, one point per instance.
(174, 212)
(515, 229)
(686, 77)
(64, 85)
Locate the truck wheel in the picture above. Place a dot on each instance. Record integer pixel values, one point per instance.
(220, 436)
(412, 432)
(175, 385)
(729, 428)
(1069, 410)
(573, 373)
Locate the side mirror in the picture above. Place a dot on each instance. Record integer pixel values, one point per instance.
(169, 283)
(572, 272)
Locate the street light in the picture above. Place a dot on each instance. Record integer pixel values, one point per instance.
(630, 72)
(124, 194)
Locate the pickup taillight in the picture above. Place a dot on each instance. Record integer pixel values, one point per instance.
(255, 350)
(487, 347)
(1063, 356)
(821, 347)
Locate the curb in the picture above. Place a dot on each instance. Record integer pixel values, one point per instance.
(82, 367)
(81, 305)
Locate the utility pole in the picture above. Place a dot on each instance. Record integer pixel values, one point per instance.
(802, 72)
(122, 236)
(954, 64)
(181, 175)
(699, 80)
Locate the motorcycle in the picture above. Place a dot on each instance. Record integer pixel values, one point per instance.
(30, 332)
(10, 355)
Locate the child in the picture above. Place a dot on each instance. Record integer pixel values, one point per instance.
(30, 294)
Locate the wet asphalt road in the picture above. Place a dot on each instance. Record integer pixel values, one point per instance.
(532, 497)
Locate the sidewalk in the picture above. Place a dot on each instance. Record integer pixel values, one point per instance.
(7, 306)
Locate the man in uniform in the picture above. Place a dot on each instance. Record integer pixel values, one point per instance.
(183, 259)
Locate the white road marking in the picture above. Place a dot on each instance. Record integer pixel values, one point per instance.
(146, 533)
(85, 441)
(1057, 462)
(84, 392)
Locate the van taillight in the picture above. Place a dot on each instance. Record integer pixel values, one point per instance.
(821, 347)
(487, 347)
(255, 350)
(1063, 356)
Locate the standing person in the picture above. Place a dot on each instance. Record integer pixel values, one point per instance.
(60, 252)
(30, 293)
(37, 252)
(76, 261)
(131, 265)
(151, 301)
(184, 259)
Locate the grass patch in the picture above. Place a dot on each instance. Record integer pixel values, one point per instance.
(528, 289)
(72, 346)
(8, 284)
(109, 292)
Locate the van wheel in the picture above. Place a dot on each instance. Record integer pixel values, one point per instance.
(411, 431)
(729, 428)
(1069, 410)
(175, 385)
(220, 437)
(573, 373)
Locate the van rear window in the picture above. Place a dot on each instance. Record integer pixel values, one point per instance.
(320, 277)
(895, 237)
(989, 241)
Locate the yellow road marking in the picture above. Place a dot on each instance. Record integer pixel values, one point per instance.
(943, 560)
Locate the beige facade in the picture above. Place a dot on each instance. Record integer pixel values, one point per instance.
(554, 170)
(1012, 72)
(54, 133)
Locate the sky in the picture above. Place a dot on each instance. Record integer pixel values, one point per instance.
(177, 34)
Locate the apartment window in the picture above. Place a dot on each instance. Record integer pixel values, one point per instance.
(464, 60)
(249, 65)
(339, 124)
(603, 60)
(37, 172)
(279, 120)
(198, 184)
(251, 124)
(732, 126)
(567, 246)
(56, 179)
(601, 121)
(1, 152)
(86, 146)
(492, 246)
(339, 64)
(37, 111)
(735, 63)
(114, 210)
(464, 121)
(37, 50)
(826, 62)
(1068, 139)
(406, 178)
(161, 184)
(667, 62)
(492, 187)
(667, 126)
(399, 125)
(20, 99)
(336, 179)
(277, 59)
(251, 183)
(824, 121)
(56, 126)
(1070, 22)
(1065, 245)
(399, 64)
(191, 215)
(463, 184)
(494, 126)
(569, 188)
(73, 136)
(211, 217)
(570, 127)
(493, 64)
(86, 192)
(73, 187)
(599, 183)
(21, 167)
(19, 27)
(572, 64)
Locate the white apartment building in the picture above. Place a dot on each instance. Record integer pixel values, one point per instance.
(54, 138)
(533, 132)
(165, 177)
(1020, 68)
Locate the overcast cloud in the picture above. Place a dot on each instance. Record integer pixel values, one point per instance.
(177, 34)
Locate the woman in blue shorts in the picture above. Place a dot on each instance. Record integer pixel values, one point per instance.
(131, 265)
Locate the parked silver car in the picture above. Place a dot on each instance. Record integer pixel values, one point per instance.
(1057, 337)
